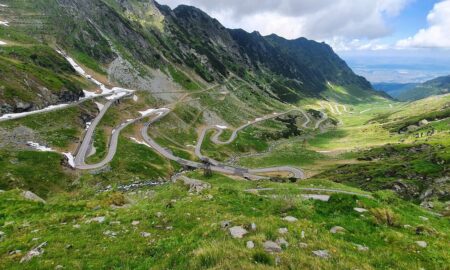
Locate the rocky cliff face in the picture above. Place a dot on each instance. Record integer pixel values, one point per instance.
(145, 35)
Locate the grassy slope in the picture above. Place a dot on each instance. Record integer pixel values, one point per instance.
(188, 233)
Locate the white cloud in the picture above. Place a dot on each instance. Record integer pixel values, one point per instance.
(316, 19)
(437, 35)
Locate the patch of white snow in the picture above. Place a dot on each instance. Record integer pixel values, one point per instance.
(99, 106)
(139, 142)
(39, 147)
(71, 159)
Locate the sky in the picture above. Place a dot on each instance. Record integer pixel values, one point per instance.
(376, 37)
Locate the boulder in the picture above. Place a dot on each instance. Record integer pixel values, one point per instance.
(238, 232)
(321, 253)
(424, 122)
(37, 251)
(250, 245)
(337, 229)
(422, 244)
(195, 186)
(271, 246)
(28, 195)
(290, 219)
(361, 247)
(282, 242)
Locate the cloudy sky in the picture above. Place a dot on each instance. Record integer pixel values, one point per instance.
(349, 26)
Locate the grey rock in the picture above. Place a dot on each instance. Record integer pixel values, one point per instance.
(321, 253)
(145, 234)
(271, 246)
(362, 248)
(422, 244)
(238, 232)
(290, 219)
(282, 230)
(250, 245)
(253, 227)
(37, 251)
(424, 122)
(135, 223)
(32, 197)
(360, 210)
(337, 229)
(282, 242)
(195, 186)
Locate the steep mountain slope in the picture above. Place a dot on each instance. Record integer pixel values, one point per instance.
(394, 89)
(416, 91)
(131, 40)
(437, 86)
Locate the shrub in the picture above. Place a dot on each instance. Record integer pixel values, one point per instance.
(384, 216)
(117, 199)
(262, 258)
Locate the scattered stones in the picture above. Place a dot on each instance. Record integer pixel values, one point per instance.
(195, 186)
(302, 245)
(28, 195)
(422, 244)
(135, 223)
(59, 267)
(290, 219)
(145, 234)
(423, 218)
(159, 214)
(271, 246)
(337, 229)
(282, 242)
(37, 251)
(97, 219)
(360, 210)
(250, 245)
(238, 232)
(361, 247)
(321, 253)
(76, 226)
(253, 227)
(225, 224)
(282, 230)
